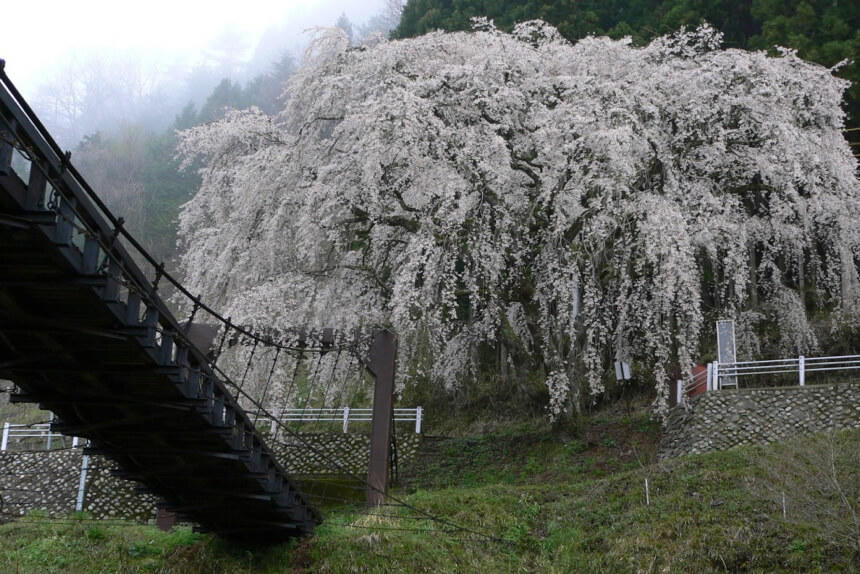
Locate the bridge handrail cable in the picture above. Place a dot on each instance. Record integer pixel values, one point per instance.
(106, 234)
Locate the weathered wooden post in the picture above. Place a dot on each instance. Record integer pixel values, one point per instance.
(383, 355)
(165, 520)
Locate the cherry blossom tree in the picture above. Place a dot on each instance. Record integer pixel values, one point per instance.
(557, 206)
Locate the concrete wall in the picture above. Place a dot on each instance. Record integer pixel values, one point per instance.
(48, 480)
(720, 420)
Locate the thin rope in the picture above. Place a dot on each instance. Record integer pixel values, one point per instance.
(266, 388)
(247, 368)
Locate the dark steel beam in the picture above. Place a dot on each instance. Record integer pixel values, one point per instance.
(5, 153)
(46, 271)
(16, 222)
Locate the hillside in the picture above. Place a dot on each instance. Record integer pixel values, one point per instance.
(550, 502)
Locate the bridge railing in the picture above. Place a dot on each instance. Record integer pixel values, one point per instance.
(719, 376)
(344, 415)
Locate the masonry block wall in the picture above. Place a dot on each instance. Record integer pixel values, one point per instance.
(336, 453)
(48, 480)
(729, 418)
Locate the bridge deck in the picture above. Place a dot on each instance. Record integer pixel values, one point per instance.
(83, 333)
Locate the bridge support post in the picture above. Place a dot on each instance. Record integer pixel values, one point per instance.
(383, 354)
(165, 520)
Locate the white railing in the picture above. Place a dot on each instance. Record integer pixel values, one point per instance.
(344, 415)
(38, 430)
(726, 375)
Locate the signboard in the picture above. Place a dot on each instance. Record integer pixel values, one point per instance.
(622, 371)
(726, 351)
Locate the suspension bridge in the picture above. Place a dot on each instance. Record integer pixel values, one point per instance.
(86, 333)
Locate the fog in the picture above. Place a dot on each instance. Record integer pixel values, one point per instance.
(142, 62)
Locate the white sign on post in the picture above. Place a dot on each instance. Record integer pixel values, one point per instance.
(622, 371)
(726, 352)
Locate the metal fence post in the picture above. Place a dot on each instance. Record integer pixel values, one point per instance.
(48, 443)
(678, 391)
(801, 369)
(5, 437)
(419, 411)
(345, 419)
(715, 383)
(85, 462)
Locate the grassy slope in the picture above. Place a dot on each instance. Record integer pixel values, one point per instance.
(562, 504)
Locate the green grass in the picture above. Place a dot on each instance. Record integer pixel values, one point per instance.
(705, 515)
(36, 543)
(529, 454)
(39, 544)
(549, 502)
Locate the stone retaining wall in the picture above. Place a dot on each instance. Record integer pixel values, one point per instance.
(48, 480)
(720, 420)
(336, 453)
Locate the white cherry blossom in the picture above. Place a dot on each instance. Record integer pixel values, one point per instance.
(568, 203)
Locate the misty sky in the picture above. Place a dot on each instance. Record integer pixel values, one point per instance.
(40, 37)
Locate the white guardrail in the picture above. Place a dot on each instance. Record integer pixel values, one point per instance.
(13, 431)
(344, 415)
(43, 431)
(726, 375)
